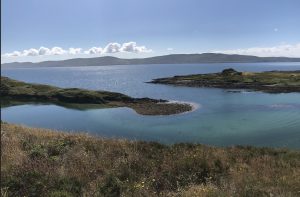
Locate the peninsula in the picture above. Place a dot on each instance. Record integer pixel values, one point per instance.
(271, 81)
(13, 92)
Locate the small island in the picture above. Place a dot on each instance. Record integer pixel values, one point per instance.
(270, 81)
(15, 92)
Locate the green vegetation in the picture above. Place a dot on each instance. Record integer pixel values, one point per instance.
(16, 92)
(272, 81)
(39, 161)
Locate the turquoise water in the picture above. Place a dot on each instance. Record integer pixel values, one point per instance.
(223, 118)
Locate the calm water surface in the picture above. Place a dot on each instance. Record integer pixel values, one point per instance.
(223, 118)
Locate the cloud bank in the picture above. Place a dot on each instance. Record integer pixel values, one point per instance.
(128, 47)
(286, 50)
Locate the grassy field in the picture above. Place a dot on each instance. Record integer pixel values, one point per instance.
(273, 81)
(38, 162)
(15, 92)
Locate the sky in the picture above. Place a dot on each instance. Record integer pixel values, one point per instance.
(35, 30)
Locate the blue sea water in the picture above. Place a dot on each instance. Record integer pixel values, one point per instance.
(223, 118)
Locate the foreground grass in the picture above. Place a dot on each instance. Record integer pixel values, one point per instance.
(272, 81)
(17, 92)
(37, 162)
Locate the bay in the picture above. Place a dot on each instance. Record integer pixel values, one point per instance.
(223, 118)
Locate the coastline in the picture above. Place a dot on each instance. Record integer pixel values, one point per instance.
(194, 106)
(15, 92)
(268, 81)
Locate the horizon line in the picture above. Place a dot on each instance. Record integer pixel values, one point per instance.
(152, 57)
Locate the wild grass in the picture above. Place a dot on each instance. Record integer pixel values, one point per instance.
(41, 162)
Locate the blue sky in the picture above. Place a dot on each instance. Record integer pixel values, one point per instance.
(148, 28)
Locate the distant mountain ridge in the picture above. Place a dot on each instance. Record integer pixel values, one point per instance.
(165, 59)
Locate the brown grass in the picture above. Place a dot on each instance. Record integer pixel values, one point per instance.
(40, 161)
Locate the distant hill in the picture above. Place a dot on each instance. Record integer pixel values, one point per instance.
(166, 59)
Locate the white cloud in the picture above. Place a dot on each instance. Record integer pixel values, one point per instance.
(132, 47)
(114, 47)
(57, 51)
(31, 52)
(41, 51)
(286, 50)
(44, 51)
(170, 49)
(94, 50)
(74, 51)
(13, 54)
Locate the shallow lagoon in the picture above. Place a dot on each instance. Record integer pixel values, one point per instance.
(223, 117)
